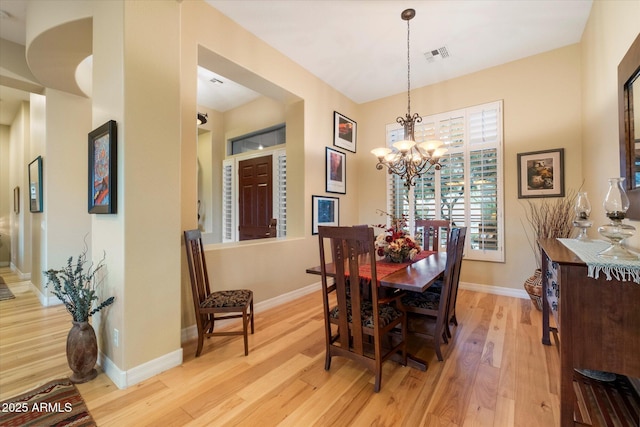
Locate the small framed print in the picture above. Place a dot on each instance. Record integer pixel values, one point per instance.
(326, 211)
(35, 185)
(102, 169)
(344, 132)
(541, 174)
(336, 171)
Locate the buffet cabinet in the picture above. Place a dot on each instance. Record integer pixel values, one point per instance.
(597, 320)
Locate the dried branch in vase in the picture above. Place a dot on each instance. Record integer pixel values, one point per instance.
(550, 219)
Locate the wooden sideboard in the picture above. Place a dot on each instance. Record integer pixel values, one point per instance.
(598, 320)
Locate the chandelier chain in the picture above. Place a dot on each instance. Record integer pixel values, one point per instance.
(408, 69)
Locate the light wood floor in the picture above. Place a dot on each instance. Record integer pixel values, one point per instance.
(496, 372)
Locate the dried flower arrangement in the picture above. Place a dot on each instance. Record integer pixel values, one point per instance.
(74, 285)
(550, 219)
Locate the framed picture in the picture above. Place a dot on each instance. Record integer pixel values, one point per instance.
(35, 185)
(326, 211)
(344, 132)
(541, 174)
(16, 200)
(102, 169)
(336, 171)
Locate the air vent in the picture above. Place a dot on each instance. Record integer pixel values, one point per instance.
(437, 54)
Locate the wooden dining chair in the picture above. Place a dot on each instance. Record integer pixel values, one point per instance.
(428, 311)
(218, 305)
(455, 281)
(434, 232)
(357, 327)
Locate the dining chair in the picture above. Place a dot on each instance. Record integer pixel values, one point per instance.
(434, 231)
(453, 294)
(367, 330)
(218, 305)
(428, 311)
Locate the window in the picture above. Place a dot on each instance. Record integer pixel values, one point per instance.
(258, 140)
(468, 189)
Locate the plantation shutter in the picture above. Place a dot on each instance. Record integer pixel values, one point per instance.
(228, 205)
(468, 189)
(280, 205)
(397, 193)
(485, 232)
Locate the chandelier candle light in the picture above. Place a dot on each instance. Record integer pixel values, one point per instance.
(409, 160)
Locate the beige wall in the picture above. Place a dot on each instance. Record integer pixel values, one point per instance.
(541, 96)
(612, 27)
(277, 267)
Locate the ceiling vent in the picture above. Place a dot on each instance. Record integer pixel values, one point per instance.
(437, 54)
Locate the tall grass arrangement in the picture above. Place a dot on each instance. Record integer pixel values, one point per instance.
(549, 219)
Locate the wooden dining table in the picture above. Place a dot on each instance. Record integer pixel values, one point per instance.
(416, 276)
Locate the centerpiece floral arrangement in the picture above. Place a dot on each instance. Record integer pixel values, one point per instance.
(395, 243)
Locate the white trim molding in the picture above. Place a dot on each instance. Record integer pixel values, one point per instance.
(124, 379)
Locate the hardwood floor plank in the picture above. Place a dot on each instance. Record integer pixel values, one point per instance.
(496, 372)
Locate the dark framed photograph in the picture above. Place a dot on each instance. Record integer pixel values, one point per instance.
(102, 169)
(344, 132)
(35, 185)
(16, 200)
(326, 211)
(541, 174)
(336, 171)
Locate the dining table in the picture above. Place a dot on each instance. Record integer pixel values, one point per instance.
(415, 276)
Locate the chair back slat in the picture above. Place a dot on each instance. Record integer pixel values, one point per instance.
(431, 232)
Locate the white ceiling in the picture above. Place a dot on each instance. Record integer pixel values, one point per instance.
(360, 47)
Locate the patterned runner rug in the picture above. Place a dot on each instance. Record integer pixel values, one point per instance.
(57, 403)
(5, 292)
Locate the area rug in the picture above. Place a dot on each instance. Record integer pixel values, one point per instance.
(56, 403)
(5, 292)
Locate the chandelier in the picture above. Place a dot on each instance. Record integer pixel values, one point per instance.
(409, 160)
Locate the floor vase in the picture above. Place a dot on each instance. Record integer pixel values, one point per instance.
(82, 352)
(533, 286)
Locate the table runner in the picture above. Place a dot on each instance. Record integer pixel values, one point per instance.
(622, 270)
(384, 267)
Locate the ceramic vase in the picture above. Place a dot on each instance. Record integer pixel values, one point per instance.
(533, 286)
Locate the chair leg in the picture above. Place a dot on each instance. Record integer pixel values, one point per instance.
(200, 342)
(327, 360)
(378, 383)
(251, 306)
(245, 326)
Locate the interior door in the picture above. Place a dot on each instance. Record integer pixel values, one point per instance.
(255, 199)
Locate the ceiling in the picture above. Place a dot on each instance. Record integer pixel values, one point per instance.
(360, 47)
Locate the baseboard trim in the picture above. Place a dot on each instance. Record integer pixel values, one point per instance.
(20, 274)
(124, 379)
(45, 301)
(495, 290)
